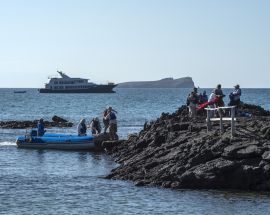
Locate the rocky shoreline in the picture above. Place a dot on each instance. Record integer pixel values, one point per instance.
(177, 152)
(56, 122)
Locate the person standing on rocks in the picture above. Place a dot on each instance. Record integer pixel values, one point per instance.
(235, 96)
(82, 128)
(192, 102)
(220, 95)
(212, 103)
(203, 97)
(111, 116)
(40, 128)
(105, 120)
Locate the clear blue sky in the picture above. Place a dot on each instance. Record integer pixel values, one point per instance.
(213, 41)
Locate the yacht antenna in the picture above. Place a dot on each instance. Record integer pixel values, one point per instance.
(63, 75)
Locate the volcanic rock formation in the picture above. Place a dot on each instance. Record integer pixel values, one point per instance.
(56, 122)
(175, 151)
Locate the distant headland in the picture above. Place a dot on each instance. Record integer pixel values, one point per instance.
(185, 82)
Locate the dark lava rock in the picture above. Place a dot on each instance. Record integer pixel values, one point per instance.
(58, 122)
(58, 119)
(254, 110)
(177, 152)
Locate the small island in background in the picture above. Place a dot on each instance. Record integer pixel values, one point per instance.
(185, 82)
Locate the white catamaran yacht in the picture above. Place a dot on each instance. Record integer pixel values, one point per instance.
(66, 84)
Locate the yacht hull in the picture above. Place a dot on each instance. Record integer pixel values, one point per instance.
(93, 89)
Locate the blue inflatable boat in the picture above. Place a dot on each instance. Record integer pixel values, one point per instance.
(56, 141)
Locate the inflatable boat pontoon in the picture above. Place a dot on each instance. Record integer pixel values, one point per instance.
(56, 141)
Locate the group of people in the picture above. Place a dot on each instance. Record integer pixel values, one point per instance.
(109, 121)
(195, 100)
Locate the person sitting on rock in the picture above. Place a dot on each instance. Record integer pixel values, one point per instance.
(235, 96)
(82, 128)
(111, 116)
(95, 126)
(40, 128)
(192, 102)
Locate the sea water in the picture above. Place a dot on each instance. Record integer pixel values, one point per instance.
(64, 182)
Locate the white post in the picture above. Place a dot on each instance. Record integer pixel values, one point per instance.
(220, 121)
(208, 121)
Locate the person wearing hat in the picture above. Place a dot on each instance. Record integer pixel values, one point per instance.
(40, 128)
(82, 128)
(95, 126)
(235, 96)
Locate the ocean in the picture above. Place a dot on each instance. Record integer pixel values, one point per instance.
(64, 182)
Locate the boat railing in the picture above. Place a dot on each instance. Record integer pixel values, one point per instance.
(28, 136)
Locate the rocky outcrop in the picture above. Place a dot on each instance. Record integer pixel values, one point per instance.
(58, 119)
(177, 152)
(56, 122)
(185, 82)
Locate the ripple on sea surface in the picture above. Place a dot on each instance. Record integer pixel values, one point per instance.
(57, 182)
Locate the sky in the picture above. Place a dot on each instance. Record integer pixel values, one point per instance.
(212, 41)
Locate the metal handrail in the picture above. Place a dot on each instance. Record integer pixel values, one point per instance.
(208, 120)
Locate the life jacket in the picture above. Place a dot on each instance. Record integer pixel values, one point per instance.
(40, 129)
(193, 98)
(112, 116)
(83, 129)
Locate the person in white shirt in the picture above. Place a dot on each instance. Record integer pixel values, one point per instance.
(212, 98)
(82, 128)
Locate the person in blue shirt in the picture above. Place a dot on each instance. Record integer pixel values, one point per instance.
(40, 128)
(111, 116)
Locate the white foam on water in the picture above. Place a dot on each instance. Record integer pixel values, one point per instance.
(7, 143)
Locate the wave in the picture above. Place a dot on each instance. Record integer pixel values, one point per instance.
(6, 143)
